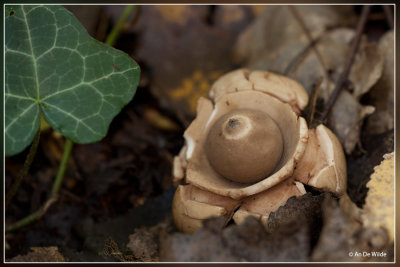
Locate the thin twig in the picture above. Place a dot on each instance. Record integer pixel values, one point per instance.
(309, 37)
(313, 100)
(297, 60)
(24, 170)
(389, 15)
(349, 62)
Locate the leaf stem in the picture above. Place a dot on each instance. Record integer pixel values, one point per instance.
(30, 218)
(113, 36)
(62, 168)
(24, 170)
(54, 192)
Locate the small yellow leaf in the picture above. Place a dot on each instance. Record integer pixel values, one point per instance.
(379, 204)
(194, 87)
(44, 126)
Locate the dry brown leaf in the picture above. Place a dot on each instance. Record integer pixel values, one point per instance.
(347, 116)
(366, 69)
(277, 42)
(378, 211)
(276, 37)
(346, 119)
(333, 47)
(382, 94)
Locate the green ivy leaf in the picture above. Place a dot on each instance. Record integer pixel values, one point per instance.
(53, 66)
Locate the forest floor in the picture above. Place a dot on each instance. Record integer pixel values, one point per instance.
(115, 202)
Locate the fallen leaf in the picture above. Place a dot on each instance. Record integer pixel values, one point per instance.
(366, 69)
(276, 38)
(333, 46)
(347, 115)
(277, 42)
(346, 119)
(382, 94)
(379, 205)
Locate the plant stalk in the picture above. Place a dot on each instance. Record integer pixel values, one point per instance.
(62, 168)
(30, 218)
(24, 170)
(113, 36)
(54, 191)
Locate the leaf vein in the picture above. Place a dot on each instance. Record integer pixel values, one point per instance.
(20, 115)
(17, 52)
(90, 83)
(75, 118)
(35, 68)
(19, 97)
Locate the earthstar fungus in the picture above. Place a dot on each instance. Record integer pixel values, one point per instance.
(248, 151)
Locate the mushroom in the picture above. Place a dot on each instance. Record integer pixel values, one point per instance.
(244, 145)
(323, 164)
(248, 151)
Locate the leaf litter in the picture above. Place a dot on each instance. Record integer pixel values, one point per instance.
(280, 42)
(315, 227)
